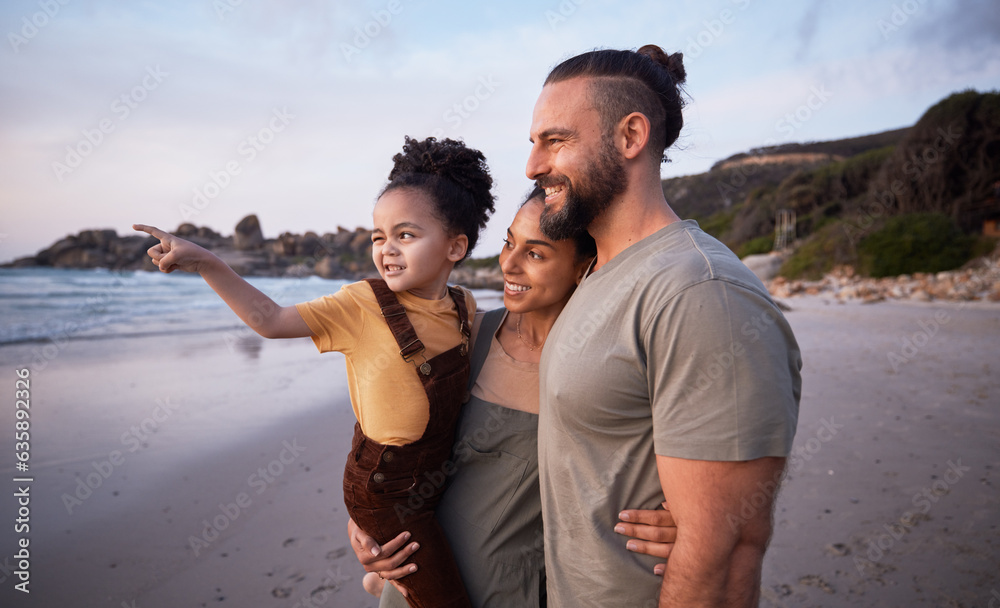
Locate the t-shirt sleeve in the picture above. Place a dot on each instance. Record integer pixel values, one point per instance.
(723, 369)
(336, 320)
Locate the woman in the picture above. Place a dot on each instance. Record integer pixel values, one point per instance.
(491, 512)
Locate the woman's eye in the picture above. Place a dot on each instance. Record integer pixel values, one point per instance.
(406, 235)
(534, 255)
(508, 244)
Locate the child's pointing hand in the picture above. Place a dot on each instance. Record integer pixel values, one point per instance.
(173, 253)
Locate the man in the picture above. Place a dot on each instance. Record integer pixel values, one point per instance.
(670, 373)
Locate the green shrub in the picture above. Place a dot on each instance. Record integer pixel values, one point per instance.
(916, 242)
(983, 246)
(489, 262)
(719, 223)
(818, 254)
(761, 244)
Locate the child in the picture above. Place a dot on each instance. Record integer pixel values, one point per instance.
(407, 385)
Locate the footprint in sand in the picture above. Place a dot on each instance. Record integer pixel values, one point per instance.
(281, 592)
(814, 580)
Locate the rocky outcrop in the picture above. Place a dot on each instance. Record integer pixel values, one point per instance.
(488, 277)
(979, 281)
(345, 254)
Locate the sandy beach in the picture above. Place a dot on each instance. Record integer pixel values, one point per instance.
(202, 470)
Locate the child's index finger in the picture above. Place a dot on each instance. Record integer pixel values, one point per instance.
(150, 230)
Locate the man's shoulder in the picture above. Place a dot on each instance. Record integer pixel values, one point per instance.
(682, 256)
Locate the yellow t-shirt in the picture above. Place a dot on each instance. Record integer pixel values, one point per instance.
(388, 399)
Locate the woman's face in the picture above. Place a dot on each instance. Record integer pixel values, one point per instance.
(539, 273)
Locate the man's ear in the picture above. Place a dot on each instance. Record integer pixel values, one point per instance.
(635, 131)
(459, 245)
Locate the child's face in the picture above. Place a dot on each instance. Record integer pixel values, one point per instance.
(411, 247)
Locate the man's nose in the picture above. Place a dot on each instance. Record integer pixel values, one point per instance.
(538, 163)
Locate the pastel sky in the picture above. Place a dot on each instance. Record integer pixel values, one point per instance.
(204, 111)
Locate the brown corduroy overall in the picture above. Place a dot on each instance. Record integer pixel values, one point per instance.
(389, 488)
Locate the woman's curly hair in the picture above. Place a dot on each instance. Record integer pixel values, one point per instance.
(454, 176)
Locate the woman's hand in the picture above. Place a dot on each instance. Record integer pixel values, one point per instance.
(388, 561)
(651, 532)
(174, 253)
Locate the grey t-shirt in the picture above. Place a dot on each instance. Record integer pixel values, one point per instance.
(673, 348)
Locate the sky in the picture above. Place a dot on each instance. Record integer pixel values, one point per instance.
(204, 111)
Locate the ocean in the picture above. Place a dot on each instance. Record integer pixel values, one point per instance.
(43, 304)
(39, 304)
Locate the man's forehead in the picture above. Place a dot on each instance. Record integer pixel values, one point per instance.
(561, 103)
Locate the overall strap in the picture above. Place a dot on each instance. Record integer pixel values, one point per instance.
(458, 296)
(487, 328)
(395, 317)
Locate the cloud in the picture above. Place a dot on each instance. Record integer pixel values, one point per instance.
(971, 26)
(807, 29)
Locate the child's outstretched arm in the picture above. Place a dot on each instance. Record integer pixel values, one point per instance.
(256, 309)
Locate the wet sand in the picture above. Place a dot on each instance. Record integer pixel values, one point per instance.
(223, 463)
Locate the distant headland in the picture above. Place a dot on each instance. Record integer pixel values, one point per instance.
(344, 254)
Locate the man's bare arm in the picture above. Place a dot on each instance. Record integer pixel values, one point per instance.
(717, 557)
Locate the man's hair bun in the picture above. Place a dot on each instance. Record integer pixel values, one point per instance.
(673, 63)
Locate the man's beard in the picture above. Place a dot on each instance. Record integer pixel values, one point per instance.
(601, 180)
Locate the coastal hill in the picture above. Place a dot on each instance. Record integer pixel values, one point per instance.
(921, 199)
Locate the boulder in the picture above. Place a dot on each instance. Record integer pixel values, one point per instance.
(248, 236)
(329, 268)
